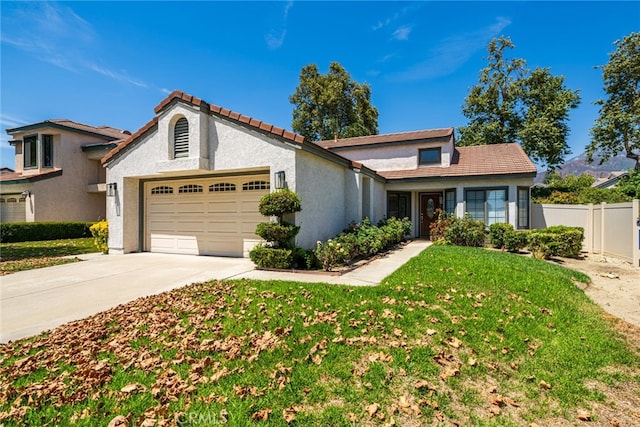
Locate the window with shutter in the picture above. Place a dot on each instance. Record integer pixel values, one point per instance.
(181, 138)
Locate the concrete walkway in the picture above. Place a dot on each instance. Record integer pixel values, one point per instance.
(34, 301)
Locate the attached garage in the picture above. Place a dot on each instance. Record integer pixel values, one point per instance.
(12, 209)
(215, 215)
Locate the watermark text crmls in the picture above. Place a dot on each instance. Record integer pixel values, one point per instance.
(201, 418)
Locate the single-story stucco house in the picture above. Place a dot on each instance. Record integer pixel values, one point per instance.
(190, 180)
(58, 175)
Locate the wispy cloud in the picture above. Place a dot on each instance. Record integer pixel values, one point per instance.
(396, 16)
(8, 121)
(452, 52)
(120, 76)
(402, 33)
(276, 38)
(55, 34)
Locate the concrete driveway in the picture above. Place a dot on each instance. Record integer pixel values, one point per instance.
(38, 300)
(35, 301)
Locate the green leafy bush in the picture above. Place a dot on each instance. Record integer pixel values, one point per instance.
(266, 257)
(332, 254)
(465, 232)
(362, 240)
(100, 232)
(279, 251)
(36, 231)
(515, 240)
(280, 233)
(279, 203)
(555, 241)
(497, 233)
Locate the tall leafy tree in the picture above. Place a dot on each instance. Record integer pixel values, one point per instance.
(617, 129)
(332, 103)
(512, 104)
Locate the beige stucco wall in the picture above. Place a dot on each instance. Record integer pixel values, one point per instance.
(397, 156)
(65, 197)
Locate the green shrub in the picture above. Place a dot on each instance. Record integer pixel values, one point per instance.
(497, 233)
(265, 257)
(332, 254)
(555, 241)
(34, 231)
(280, 234)
(279, 203)
(541, 244)
(362, 240)
(100, 232)
(569, 240)
(515, 240)
(305, 259)
(465, 232)
(279, 251)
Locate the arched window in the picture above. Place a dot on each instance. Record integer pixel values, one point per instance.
(181, 138)
(222, 186)
(163, 189)
(255, 185)
(190, 188)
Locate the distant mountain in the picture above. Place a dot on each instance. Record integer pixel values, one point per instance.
(578, 165)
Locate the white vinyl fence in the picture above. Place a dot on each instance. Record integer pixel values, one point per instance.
(609, 229)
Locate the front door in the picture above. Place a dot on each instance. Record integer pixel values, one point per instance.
(429, 202)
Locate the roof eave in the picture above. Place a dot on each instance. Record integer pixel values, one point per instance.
(47, 124)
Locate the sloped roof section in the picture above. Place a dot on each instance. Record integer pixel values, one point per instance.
(413, 136)
(178, 96)
(480, 160)
(102, 131)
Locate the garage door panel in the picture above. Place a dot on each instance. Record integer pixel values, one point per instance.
(223, 227)
(207, 223)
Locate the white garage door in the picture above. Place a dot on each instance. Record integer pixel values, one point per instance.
(12, 209)
(204, 216)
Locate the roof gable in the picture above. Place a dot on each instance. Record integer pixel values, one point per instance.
(212, 109)
(105, 132)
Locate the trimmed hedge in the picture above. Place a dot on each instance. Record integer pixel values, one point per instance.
(557, 240)
(265, 257)
(497, 232)
(35, 231)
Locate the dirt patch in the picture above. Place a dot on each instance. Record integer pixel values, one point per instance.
(615, 284)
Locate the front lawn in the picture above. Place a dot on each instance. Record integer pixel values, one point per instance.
(457, 335)
(28, 255)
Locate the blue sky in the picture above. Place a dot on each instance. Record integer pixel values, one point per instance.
(111, 63)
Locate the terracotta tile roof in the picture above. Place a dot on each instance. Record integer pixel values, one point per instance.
(15, 176)
(417, 135)
(480, 160)
(110, 132)
(212, 109)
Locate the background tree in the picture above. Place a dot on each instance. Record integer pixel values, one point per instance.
(617, 129)
(513, 104)
(331, 103)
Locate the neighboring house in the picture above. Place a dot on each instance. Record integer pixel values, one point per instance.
(610, 180)
(58, 175)
(190, 180)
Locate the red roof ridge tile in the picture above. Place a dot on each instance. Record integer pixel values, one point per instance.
(214, 109)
